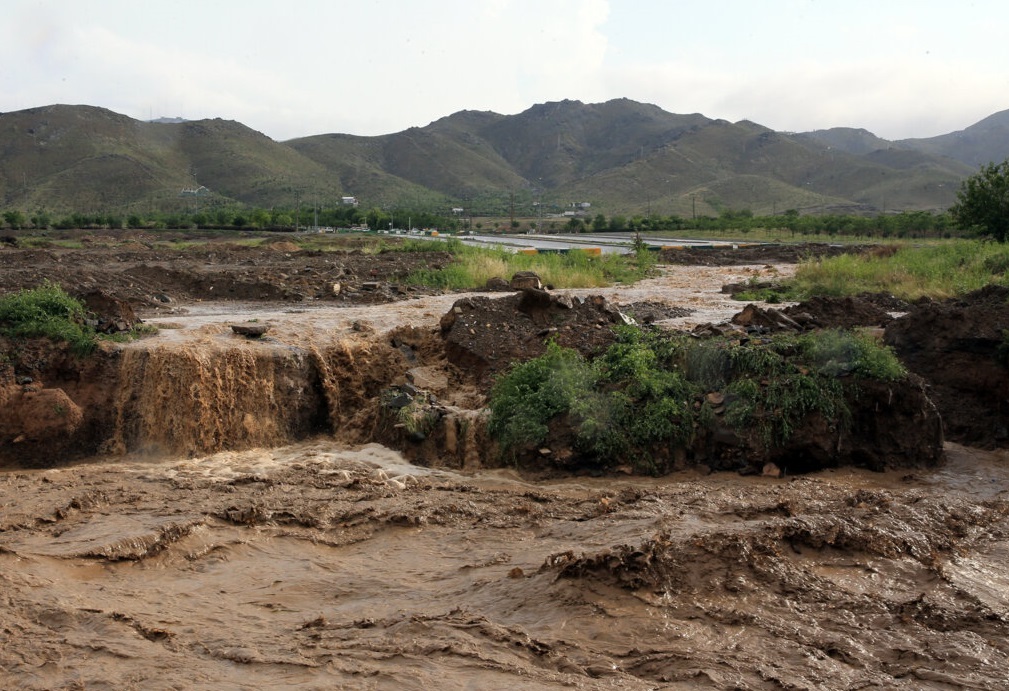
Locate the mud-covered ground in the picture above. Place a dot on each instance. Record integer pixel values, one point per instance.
(322, 563)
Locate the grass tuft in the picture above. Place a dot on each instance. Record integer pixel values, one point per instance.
(47, 312)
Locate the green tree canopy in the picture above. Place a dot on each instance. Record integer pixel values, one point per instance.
(982, 203)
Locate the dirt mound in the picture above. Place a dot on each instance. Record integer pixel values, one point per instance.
(755, 254)
(892, 424)
(837, 313)
(959, 347)
(483, 336)
(110, 314)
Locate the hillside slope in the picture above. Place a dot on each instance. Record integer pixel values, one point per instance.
(621, 156)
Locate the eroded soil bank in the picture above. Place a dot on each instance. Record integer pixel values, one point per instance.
(302, 557)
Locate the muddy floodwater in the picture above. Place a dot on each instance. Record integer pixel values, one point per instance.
(323, 565)
(315, 566)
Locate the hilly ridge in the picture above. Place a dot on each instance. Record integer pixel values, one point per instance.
(621, 156)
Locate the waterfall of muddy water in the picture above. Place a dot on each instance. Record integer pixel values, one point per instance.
(317, 564)
(197, 398)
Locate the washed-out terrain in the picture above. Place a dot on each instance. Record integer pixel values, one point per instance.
(215, 511)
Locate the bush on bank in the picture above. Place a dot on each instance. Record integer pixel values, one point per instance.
(652, 393)
(47, 312)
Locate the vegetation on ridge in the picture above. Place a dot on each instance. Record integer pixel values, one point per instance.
(938, 271)
(46, 312)
(648, 394)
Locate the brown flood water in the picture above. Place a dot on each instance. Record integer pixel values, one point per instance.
(318, 565)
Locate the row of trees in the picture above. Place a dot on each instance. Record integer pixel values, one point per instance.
(253, 219)
(908, 224)
(982, 208)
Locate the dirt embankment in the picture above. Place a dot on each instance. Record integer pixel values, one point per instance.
(236, 393)
(101, 404)
(152, 276)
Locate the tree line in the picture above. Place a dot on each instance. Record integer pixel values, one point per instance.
(906, 224)
(982, 208)
(278, 218)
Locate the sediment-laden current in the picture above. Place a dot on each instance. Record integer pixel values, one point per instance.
(320, 566)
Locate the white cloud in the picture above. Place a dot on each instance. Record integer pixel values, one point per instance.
(303, 67)
(895, 100)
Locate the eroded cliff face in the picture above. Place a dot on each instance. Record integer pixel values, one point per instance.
(420, 390)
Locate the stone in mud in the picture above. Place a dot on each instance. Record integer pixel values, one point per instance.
(250, 330)
(497, 284)
(523, 280)
(765, 319)
(428, 378)
(37, 415)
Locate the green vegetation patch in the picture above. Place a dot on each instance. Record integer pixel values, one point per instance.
(939, 271)
(653, 392)
(46, 312)
(472, 267)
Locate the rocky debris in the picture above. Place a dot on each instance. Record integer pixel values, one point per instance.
(814, 313)
(757, 319)
(250, 330)
(961, 349)
(649, 312)
(709, 330)
(109, 313)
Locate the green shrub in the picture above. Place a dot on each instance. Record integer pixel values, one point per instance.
(48, 312)
(534, 392)
(647, 391)
(837, 352)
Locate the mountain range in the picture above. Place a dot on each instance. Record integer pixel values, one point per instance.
(620, 156)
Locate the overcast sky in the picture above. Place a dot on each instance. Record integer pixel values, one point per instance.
(899, 68)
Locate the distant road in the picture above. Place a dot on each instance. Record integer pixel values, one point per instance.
(609, 243)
